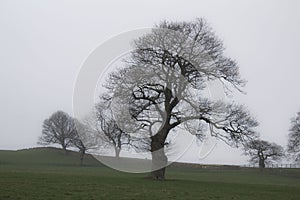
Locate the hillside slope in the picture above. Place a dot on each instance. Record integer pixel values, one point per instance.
(44, 156)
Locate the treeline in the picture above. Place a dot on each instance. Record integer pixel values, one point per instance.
(97, 132)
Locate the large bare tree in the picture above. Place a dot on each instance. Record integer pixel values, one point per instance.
(294, 137)
(59, 128)
(162, 85)
(263, 152)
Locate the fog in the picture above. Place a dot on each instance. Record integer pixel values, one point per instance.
(44, 44)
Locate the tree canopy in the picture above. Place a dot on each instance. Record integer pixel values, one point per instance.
(263, 152)
(162, 84)
(59, 128)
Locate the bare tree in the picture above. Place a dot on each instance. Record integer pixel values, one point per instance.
(59, 128)
(85, 139)
(294, 137)
(263, 152)
(163, 82)
(108, 129)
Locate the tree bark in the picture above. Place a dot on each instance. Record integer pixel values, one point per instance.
(159, 158)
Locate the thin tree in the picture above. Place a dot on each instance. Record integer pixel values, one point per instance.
(162, 84)
(85, 138)
(59, 128)
(109, 131)
(294, 137)
(263, 152)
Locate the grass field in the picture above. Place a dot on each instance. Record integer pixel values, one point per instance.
(50, 174)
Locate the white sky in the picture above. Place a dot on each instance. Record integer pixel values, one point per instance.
(44, 43)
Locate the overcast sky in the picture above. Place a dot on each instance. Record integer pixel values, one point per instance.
(44, 43)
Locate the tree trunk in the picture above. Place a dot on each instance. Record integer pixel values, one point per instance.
(82, 153)
(261, 163)
(117, 152)
(159, 159)
(65, 149)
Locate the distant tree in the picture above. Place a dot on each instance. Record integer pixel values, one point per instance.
(85, 138)
(162, 84)
(294, 137)
(263, 152)
(78, 143)
(108, 129)
(59, 128)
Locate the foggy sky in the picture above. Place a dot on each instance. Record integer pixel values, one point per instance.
(44, 43)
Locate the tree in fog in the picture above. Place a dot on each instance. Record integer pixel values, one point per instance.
(59, 128)
(86, 138)
(263, 152)
(294, 137)
(162, 84)
(109, 131)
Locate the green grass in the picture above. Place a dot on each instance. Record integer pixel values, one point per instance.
(50, 174)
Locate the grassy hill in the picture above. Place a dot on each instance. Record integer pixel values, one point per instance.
(57, 157)
(45, 156)
(48, 173)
